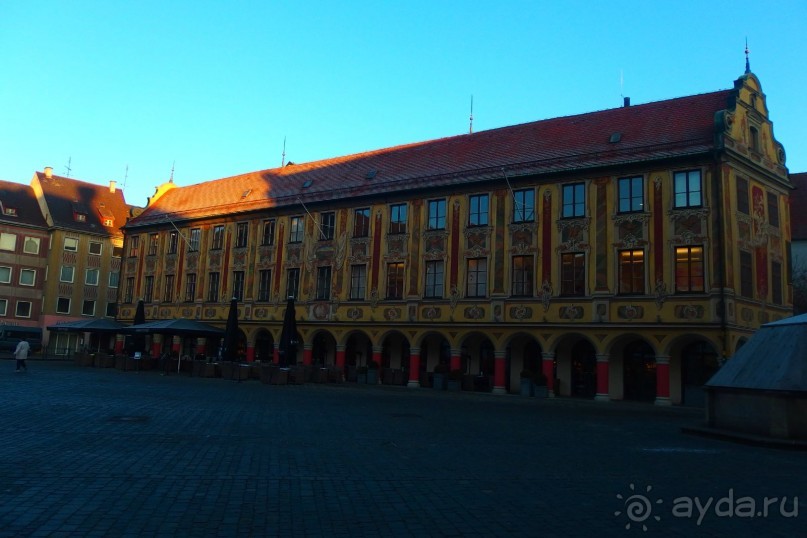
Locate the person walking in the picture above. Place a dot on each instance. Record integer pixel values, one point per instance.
(21, 353)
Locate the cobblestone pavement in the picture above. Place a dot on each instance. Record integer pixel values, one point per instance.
(100, 452)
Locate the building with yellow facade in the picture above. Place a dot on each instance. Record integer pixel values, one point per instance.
(623, 253)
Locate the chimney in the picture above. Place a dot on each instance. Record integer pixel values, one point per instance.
(112, 186)
(48, 172)
(626, 101)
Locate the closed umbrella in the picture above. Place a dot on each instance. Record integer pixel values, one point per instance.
(231, 333)
(288, 336)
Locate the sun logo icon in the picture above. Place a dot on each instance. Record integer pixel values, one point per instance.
(638, 507)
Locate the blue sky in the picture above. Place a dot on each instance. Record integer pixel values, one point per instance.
(215, 87)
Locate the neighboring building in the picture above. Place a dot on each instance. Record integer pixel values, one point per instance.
(24, 246)
(84, 259)
(798, 223)
(622, 252)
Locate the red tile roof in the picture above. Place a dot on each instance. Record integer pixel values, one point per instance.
(798, 206)
(675, 127)
(65, 197)
(22, 200)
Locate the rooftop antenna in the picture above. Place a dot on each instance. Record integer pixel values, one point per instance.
(283, 157)
(69, 160)
(621, 84)
(171, 179)
(747, 63)
(125, 176)
(471, 127)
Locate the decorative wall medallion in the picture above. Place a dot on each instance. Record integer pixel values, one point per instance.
(210, 313)
(520, 312)
(260, 313)
(689, 311)
(187, 312)
(355, 313)
(431, 313)
(474, 312)
(392, 314)
(571, 312)
(630, 312)
(320, 311)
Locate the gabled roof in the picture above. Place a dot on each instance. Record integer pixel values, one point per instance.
(664, 129)
(67, 198)
(18, 206)
(798, 204)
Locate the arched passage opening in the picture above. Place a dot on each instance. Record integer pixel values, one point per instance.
(639, 371)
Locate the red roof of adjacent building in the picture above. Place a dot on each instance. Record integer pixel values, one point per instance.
(663, 129)
(66, 198)
(798, 206)
(18, 206)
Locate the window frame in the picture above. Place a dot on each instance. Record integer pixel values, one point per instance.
(4, 239)
(88, 272)
(682, 198)
(573, 275)
(239, 283)
(323, 289)
(522, 276)
(396, 277)
(100, 248)
(168, 289)
(477, 214)
(327, 225)
(84, 304)
(358, 282)
(59, 302)
(128, 291)
(134, 246)
(35, 240)
(689, 260)
(173, 242)
(213, 286)
(523, 205)
(154, 245)
(434, 283)
(573, 200)
(71, 240)
(148, 289)
(628, 200)
(21, 302)
(296, 229)
(72, 270)
(217, 237)
(631, 273)
(190, 287)
(241, 234)
(268, 232)
(264, 285)
(3, 307)
(361, 222)
(743, 197)
(10, 274)
(746, 274)
(474, 285)
(114, 280)
(436, 211)
(398, 218)
(194, 239)
(293, 282)
(773, 209)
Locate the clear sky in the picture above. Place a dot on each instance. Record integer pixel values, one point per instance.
(216, 87)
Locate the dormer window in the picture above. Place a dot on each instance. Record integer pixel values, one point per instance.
(79, 212)
(109, 223)
(753, 141)
(10, 211)
(79, 217)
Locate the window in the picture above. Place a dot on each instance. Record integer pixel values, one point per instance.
(95, 248)
(631, 271)
(572, 273)
(128, 294)
(23, 309)
(31, 245)
(574, 200)
(522, 276)
(478, 210)
(524, 205)
(190, 287)
(5, 275)
(10, 211)
(264, 283)
(687, 188)
(3, 307)
(746, 275)
(437, 214)
(358, 282)
(754, 138)
(66, 274)
(742, 196)
(395, 280)
(111, 310)
(327, 224)
(8, 242)
(80, 217)
(361, 222)
(773, 209)
(173, 242)
(88, 308)
(154, 242)
(477, 277)
(148, 289)
(631, 194)
(63, 305)
(268, 236)
(91, 278)
(241, 234)
(689, 269)
(323, 283)
(292, 282)
(218, 237)
(296, 229)
(71, 244)
(134, 246)
(776, 282)
(213, 287)
(195, 240)
(117, 251)
(114, 279)
(238, 285)
(168, 292)
(434, 279)
(397, 219)
(27, 277)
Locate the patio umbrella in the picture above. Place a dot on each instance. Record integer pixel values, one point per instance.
(288, 335)
(139, 340)
(94, 325)
(231, 333)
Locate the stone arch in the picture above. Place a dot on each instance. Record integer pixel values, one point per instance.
(693, 360)
(523, 352)
(478, 354)
(323, 348)
(264, 345)
(617, 349)
(576, 366)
